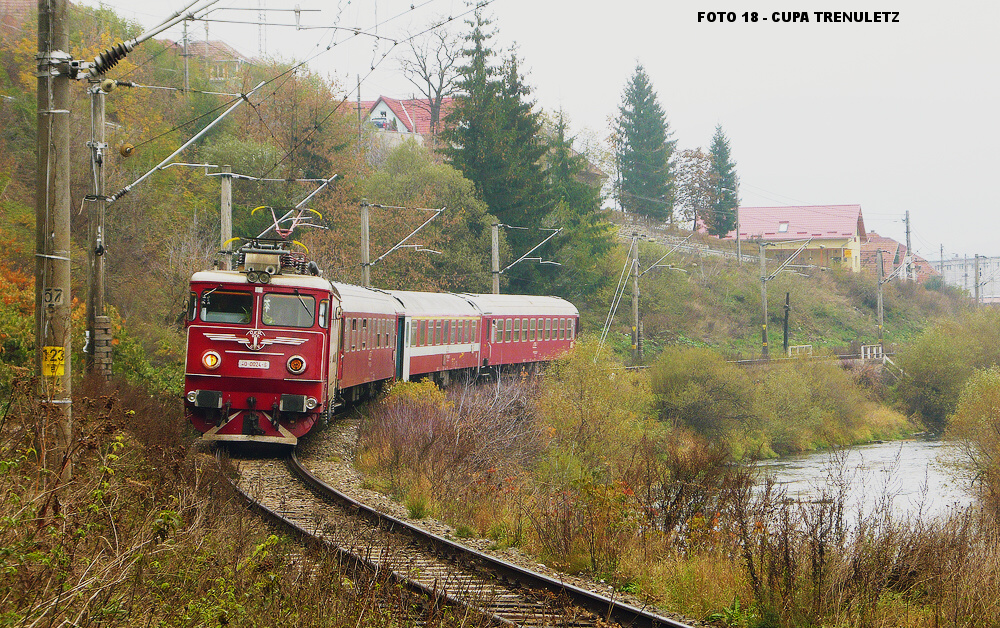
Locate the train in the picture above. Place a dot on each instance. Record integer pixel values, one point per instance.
(273, 346)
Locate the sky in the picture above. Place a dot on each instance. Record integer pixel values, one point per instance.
(899, 116)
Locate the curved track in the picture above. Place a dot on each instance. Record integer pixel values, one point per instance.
(432, 565)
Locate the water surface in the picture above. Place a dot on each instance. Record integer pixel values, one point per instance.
(914, 477)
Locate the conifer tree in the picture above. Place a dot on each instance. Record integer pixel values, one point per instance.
(586, 237)
(643, 151)
(723, 187)
(492, 137)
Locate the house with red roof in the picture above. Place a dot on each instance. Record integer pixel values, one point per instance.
(894, 255)
(222, 62)
(407, 117)
(835, 233)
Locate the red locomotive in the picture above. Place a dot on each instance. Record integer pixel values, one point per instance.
(272, 346)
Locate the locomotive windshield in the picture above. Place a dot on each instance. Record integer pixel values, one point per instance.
(288, 310)
(218, 306)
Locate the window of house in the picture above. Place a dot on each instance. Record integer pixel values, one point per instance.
(783, 227)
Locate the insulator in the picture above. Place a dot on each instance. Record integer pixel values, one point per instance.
(110, 57)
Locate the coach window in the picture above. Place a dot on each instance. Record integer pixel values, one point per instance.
(378, 332)
(447, 337)
(414, 327)
(474, 339)
(562, 329)
(531, 334)
(509, 325)
(517, 330)
(364, 333)
(548, 328)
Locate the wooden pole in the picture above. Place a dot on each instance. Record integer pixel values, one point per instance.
(495, 256)
(365, 259)
(763, 302)
(881, 273)
(226, 215)
(636, 339)
(52, 231)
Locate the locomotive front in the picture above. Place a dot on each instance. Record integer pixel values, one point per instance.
(258, 348)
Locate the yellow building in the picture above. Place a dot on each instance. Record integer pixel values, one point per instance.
(835, 233)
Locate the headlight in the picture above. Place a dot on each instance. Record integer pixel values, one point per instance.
(311, 403)
(192, 395)
(211, 360)
(296, 365)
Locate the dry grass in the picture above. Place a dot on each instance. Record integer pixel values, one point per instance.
(148, 533)
(661, 514)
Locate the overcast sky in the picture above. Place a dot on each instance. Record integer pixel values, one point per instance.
(891, 116)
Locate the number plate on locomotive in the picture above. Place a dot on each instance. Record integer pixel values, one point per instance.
(254, 364)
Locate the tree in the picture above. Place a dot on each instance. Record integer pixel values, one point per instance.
(431, 68)
(493, 140)
(693, 181)
(643, 151)
(723, 187)
(587, 237)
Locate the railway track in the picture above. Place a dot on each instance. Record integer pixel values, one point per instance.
(443, 570)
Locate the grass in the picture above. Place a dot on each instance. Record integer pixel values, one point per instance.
(150, 533)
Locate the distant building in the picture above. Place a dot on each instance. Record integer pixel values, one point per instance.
(961, 272)
(893, 257)
(407, 117)
(835, 233)
(221, 61)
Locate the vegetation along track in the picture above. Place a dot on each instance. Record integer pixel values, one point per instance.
(447, 572)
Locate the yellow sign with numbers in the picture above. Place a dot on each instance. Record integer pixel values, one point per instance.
(53, 361)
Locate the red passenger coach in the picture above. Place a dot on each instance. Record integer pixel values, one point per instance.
(368, 332)
(521, 330)
(440, 335)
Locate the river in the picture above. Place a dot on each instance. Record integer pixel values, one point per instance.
(918, 477)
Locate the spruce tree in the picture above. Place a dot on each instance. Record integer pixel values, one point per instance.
(492, 137)
(587, 236)
(643, 151)
(723, 187)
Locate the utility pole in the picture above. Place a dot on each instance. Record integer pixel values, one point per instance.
(636, 336)
(187, 80)
(359, 113)
(495, 256)
(98, 353)
(788, 308)
(975, 274)
(226, 215)
(763, 301)
(52, 241)
(909, 251)
(941, 269)
(739, 250)
(881, 272)
(365, 261)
